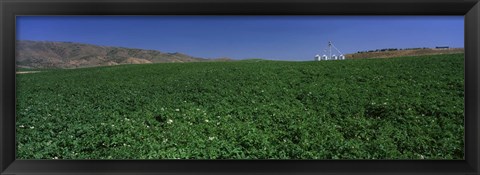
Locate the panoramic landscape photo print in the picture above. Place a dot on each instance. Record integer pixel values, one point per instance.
(240, 87)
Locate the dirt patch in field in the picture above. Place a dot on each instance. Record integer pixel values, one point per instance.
(27, 72)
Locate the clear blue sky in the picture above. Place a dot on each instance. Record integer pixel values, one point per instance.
(239, 37)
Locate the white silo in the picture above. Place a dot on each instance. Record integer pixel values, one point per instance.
(317, 57)
(334, 57)
(328, 53)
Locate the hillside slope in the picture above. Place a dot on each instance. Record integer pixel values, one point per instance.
(401, 53)
(45, 54)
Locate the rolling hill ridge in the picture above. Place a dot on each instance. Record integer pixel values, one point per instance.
(402, 53)
(48, 54)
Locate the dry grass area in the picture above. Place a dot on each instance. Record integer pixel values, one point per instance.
(401, 53)
(133, 60)
(27, 72)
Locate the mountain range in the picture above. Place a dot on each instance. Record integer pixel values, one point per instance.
(49, 54)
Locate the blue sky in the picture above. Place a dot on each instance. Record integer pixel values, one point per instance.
(240, 37)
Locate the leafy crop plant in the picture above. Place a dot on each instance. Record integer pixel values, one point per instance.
(395, 108)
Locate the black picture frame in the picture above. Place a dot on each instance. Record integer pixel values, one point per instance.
(470, 9)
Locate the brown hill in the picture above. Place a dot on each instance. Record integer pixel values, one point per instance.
(399, 53)
(46, 54)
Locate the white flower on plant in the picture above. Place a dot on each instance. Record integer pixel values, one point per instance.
(169, 121)
(21, 126)
(177, 110)
(32, 127)
(211, 138)
(206, 120)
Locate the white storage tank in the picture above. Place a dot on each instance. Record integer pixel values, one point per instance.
(328, 53)
(324, 57)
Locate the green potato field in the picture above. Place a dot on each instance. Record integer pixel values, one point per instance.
(395, 108)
